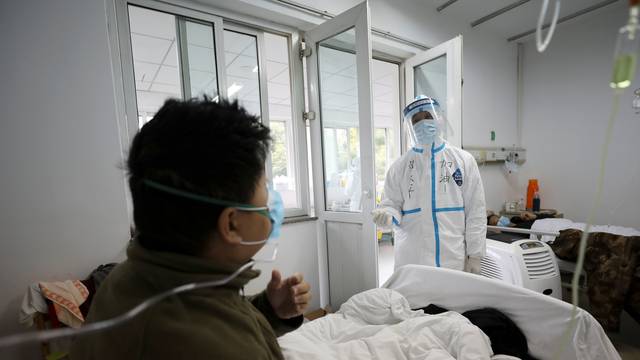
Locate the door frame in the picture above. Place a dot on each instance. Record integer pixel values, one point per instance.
(357, 18)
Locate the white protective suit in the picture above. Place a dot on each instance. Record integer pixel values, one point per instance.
(437, 201)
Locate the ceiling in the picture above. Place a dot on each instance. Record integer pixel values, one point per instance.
(157, 72)
(516, 21)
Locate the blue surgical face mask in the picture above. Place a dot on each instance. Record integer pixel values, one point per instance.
(274, 211)
(426, 131)
(504, 221)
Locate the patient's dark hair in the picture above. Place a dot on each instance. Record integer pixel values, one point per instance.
(202, 147)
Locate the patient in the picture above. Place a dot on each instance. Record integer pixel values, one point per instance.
(204, 153)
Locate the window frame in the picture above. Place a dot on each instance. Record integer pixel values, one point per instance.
(299, 142)
(181, 35)
(126, 53)
(124, 75)
(262, 78)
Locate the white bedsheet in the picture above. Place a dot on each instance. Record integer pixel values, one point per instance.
(541, 318)
(379, 324)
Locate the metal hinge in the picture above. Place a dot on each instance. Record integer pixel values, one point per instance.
(304, 51)
(308, 115)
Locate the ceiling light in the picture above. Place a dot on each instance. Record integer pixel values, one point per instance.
(234, 88)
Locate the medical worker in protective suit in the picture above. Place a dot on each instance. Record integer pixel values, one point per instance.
(433, 197)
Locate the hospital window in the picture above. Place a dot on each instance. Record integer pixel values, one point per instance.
(283, 164)
(241, 67)
(174, 56)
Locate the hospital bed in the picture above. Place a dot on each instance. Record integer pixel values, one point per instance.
(379, 323)
(547, 230)
(542, 319)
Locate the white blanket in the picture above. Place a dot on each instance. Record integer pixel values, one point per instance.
(379, 324)
(542, 319)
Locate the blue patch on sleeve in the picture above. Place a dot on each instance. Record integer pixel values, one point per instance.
(457, 177)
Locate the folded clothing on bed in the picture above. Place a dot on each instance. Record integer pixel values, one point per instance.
(612, 263)
(66, 296)
(556, 225)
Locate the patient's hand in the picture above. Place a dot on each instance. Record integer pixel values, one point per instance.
(289, 297)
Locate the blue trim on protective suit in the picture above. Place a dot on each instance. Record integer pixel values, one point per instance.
(412, 211)
(418, 150)
(433, 203)
(438, 149)
(461, 208)
(395, 222)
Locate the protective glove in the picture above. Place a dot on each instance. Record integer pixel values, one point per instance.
(382, 219)
(472, 265)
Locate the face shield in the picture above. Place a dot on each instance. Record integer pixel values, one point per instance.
(424, 120)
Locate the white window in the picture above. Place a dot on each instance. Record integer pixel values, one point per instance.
(173, 57)
(283, 165)
(169, 51)
(155, 60)
(198, 53)
(242, 70)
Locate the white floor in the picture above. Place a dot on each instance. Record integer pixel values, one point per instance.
(385, 261)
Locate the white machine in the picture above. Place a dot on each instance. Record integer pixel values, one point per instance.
(522, 262)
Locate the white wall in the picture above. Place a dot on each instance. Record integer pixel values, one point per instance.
(297, 252)
(63, 202)
(566, 105)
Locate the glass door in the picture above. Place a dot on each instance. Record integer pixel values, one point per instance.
(385, 77)
(437, 73)
(341, 97)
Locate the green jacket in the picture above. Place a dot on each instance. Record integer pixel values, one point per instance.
(211, 323)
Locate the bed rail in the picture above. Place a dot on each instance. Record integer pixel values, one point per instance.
(538, 234)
